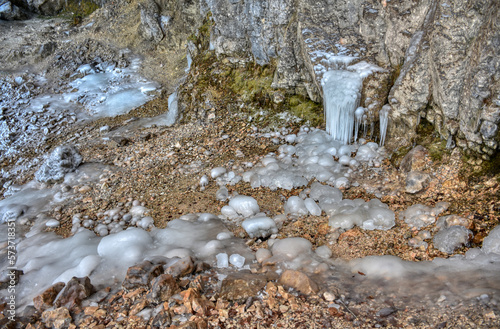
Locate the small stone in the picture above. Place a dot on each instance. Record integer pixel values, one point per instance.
(490, 315)
(46, 299)
(84, 189)
(163, 287)
(242, 285)
(417, 181)
(415, 160)
(140, 275)
(386, 311)
(76, 290)
(57, 319)
(329, 296)
(298, 281)
(182, 267)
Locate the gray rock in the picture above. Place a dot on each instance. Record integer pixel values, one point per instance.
(416, 159)
(150, 27)
(61, 161)
(10, 12)
(489, 129)
(416, 181)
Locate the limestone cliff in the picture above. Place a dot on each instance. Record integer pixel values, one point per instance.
(441, 56)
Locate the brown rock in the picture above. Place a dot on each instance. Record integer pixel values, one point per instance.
(163, 287)
(46, 299)
(242, 285)
(75, 292)
(161, 320)
(140, 275)
(57, 319)
(298, 281)
(182, 267)
(415, 160)
(417, 181)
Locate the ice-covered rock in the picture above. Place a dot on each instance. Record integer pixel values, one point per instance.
(449, 239)
(62, 160)
(296, 206)
(491, 244)
(260, 227)
(372, 215)
(222, 260)
(246, 206)
(291, 247)
(237, 260)
(419, 215)
(218, 171)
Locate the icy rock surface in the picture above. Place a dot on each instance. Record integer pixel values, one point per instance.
(62, 160)
(260, 227)
(491, 244)
(246, 206)
(419, 215)
(372, 215)
(449, 239)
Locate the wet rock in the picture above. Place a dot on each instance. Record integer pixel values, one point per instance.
(242, 285)
(298, 281)
(140, 275)
(182, 267)
(76, 290)
(417, 181)
(57, 319)
(46, 299)
(61, 161)
(163, 287)
(415, 160)
(453, 220)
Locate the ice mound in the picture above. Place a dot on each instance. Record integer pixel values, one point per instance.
(419, 215)
(372, 215)
(62, 160)
(45, 257)
(296, 206)
(449, 239)
(491, 244)
(259, 227)
(386, 266)
(291, 247)
(245, 206)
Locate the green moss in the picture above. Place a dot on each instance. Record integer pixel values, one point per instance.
(398, 155)
(76, 10)
(428, 137)
(307, 110)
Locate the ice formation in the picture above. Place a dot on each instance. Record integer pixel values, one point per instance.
(259, 227)
(62, 160)
(341, 93)
(491, 244)
(372, 215)
(384, 120)
(245, 206)
(449, 239)
(420, 215)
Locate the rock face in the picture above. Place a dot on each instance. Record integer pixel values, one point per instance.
(441, 57)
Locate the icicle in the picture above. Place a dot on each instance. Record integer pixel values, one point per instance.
(384, 119)
(341, 93)
(359, 114)
(365, 125)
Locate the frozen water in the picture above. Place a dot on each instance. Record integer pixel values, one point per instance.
(218, 171)
(372, 215)
(296, 206)
(491, 244)
(222, 260)
(384, 119)
(312, 207)
(449, 239)
(259, 227)
(420, 215)
(61, 161)
(291, 247)
(246, 206)
(237, 260)
(341, 93)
